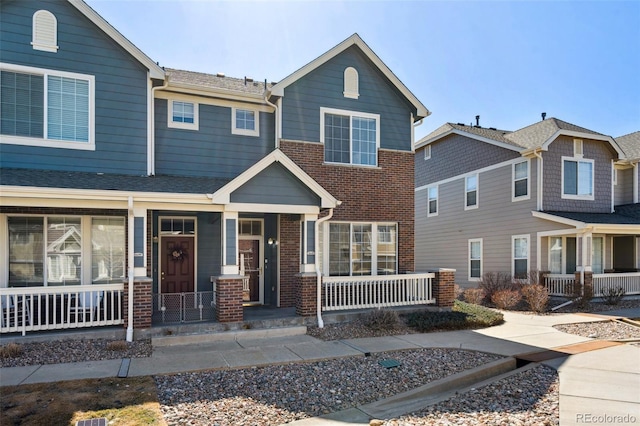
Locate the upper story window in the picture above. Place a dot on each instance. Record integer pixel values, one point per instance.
(427, 152)
(350, 137)
(46, 108)
(471, 192)
(45, 31)
(351, 83)
(432, 203)
(183, 115)
(520, 173)
(245, 122)
(577, 178)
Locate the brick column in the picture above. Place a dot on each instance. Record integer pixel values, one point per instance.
(443, 287)
(142, 302)
(229, 299)
(577, 285)
(306, 294)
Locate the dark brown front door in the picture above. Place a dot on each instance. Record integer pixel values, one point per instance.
(250, 251)
(177, 264)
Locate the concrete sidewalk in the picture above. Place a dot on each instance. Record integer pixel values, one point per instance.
(601, 382)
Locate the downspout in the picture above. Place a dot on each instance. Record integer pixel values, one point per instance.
(130, 272)
(318, 274)
(540, 181)
(275, 115)
(151, 167)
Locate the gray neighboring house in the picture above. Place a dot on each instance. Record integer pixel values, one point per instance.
(551, 197)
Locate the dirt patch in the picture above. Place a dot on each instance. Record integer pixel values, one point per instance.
(124, 402)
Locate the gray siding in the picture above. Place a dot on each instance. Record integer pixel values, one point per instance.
(209, 249)
(212, 150)
(623, 189)
(324, 87)
(455, 155)
(120, 90)
(602, 155)
(275, 185)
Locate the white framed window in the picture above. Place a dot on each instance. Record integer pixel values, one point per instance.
(47, 108)
(45, 31)
(351, 83)
(245, 122)
(362, 248)
(182, 114)
(520, 250)
(350, 137)
(556, 255)
(432, 201)
(427, 152)
(520, 178)
(577, 178)
(475, 259)
(471, 192)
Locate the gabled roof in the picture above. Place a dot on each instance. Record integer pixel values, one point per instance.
(354, 40)
(215, 82)
(155, 71)
(630, 144)
(223, 195)
(488, 135)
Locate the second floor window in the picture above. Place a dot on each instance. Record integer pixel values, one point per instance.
(350, 137)
(183, 115)
(471, 192)
(521, 180)
(244, 122)
(432, 203)
(577, 178)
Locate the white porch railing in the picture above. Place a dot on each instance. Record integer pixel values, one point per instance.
(379, 291)
(560, 285)
(51, 308)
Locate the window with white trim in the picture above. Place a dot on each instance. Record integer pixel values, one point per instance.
(432, 201)
(475, 259)
(350, 137)
(46, 108)
(245, 122)
(471, 192)
(577, 178)
(351, 83)
(520, 173)
(45, 31)
(362, 249)
(182, 115)
(520, 265)
(427, 152)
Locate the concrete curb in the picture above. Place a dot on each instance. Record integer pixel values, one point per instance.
(227, 336)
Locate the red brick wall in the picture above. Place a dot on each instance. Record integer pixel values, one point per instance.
(443, 288)
(229, 299)
(306, 295)
(289, 247)
(142, 304)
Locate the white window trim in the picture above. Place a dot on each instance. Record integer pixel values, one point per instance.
(513, 182)
(37, 44)
(578, 148)
(513, 258)
(245, 132)
(351, 81)
(90, 145)
(437, 201)
(470, 278)
(178, 125)
(351, 114)
(466, 191)
(578, 160)
(427, 152)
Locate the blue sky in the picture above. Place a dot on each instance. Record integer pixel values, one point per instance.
(506, 61)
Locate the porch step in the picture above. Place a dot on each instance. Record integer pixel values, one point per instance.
(231, 335)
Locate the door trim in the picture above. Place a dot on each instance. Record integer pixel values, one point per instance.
(195, 249)
(260, 239)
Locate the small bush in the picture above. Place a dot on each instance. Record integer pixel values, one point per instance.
(536, 296)
(474, 296)
(117, 346)
(495, 281)
(506, 299)
(458, 292)
(462, 316)
(381, 319)
(10, 350)
(613, 295)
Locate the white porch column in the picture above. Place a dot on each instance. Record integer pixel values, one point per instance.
(139, 242)
(308, 246)
(229, 243)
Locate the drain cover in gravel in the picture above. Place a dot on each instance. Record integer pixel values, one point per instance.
(389, 363)
(102, 421)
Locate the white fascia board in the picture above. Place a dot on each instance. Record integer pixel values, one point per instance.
(278, 89)
(558, 219)
(200, 99)
(154, 70)
(581, 135)
(223, 195)
(197, 90)
(424, 142)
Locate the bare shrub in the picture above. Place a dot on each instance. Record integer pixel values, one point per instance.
(10, 350)
(536, 296)
(458, 292)
(613, 295)
(381, 319)
(495, 281)
(506, 299)
(117, 346)
(474, 296)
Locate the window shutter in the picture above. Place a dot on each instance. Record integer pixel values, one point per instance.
(351, 84)
(45, 31)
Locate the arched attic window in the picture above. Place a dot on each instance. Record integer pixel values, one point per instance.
(45, 31)
(351, 84)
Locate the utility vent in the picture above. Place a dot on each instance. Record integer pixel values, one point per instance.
(45, 31)
(460, 124)
(220, 74)
(102, 421)
(492, 128)
(577, 148)
(389, 363)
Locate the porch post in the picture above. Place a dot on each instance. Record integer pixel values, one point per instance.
(443, 287)
(306, 288)
(230, 244)
(142, 303)
(228, 286)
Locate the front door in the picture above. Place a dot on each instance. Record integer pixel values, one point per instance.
(177, 256)
(251, 257)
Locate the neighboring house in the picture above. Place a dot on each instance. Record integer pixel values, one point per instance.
(551, 197)
(195, 190)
